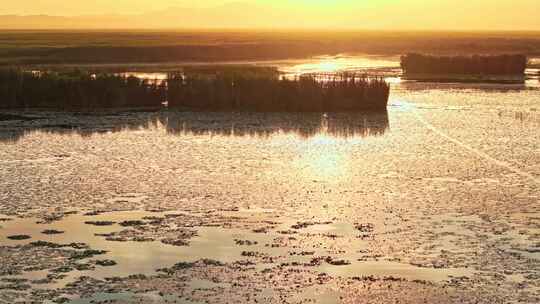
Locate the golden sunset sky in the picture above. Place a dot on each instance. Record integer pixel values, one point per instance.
(361, 14)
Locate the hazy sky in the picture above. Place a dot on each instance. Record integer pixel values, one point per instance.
(409, 14)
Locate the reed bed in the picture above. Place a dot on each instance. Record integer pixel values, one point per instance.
(464, 65)
(236, 92)
(76, 89)
(197, 89)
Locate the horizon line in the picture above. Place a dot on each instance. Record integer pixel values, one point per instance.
(269, 29)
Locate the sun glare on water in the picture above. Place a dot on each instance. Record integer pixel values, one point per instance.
(324, 158)
(327, 64)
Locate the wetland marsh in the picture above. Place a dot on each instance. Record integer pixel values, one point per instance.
(434, 200)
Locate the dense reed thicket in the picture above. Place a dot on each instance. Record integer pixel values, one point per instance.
(202, 89)
(236, 92)
(23, 89)
(466, 65)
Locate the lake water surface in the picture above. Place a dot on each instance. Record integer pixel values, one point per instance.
(437, 200)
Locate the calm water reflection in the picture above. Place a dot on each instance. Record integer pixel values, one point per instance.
(304, 125)
(307, 125)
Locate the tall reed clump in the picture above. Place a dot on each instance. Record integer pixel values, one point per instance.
(23, 89)
(466, 65)
(237, 92)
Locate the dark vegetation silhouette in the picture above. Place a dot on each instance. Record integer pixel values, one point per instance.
(76, 89)
(234, 124)
(198, 89)
(464, 65)
(133, 47)
(271, 93)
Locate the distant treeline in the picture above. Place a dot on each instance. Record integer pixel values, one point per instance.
(199, 89)
(25, 89)
(150, 54)
(143, 46)
(236, 92)
(466, 65)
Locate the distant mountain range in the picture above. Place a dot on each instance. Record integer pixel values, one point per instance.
(430, 15)
(232, 15)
